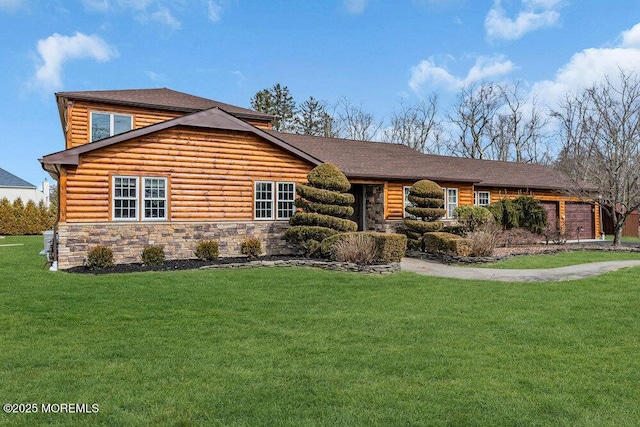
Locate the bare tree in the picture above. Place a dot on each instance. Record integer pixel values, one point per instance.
(601, 145)
(354, 123)
(475, 109)
(516, 131)
(416, 126)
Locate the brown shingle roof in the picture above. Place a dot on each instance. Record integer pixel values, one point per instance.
(161, 98)
(362, 159)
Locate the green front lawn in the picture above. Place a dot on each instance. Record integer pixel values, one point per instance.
(562, 259)
(292, 346)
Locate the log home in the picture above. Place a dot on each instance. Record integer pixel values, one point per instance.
(156, 166)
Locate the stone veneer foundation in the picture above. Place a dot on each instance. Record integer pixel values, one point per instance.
(178, 238)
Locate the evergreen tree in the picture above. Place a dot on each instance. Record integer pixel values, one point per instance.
(278, 102)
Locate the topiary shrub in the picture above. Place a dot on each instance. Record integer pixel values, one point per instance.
(324, 209)
(153, 255)
(428, 207)
(251, 246)
(100, 256)
(207, 250)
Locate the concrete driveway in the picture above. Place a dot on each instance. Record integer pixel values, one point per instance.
(574, 272)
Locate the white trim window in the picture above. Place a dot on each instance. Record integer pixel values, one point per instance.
(407, 203)
(263, 203)
(452, 201)
(286, 197)
(104, 125)
(481, 198)
(270, 194)
(154, 199)
(125, 198)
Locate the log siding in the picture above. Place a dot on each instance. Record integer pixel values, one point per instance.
(209, 177)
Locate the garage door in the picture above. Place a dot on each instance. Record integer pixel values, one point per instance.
(552, 214)
(579, 221)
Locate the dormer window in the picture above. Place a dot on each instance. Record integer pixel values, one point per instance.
(104, 125)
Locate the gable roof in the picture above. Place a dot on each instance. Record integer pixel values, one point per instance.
(161, 98)
(7, 179)
(363, 159)
(213, 118)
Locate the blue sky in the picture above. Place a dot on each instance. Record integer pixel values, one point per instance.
(373, 52)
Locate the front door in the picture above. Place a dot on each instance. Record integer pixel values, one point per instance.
(359, 216)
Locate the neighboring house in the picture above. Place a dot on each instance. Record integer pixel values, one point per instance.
(156, 166)
(12, 187)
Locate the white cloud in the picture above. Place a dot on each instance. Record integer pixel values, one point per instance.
(536, 14)
(10, 5)
(427, 72)
(57, 49)
(355, 7)
(631, 38)
(592, 65)
(164, 16)
(214, 10)
(99, 5)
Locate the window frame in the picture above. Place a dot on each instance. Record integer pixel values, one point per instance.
(111, 124)
(114, 198)
(144, 198)
(256, 200)
(278, 200)
(273, 201)
(476, 198)
(457, 202)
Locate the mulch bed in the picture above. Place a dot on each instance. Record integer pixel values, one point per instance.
(172, 265)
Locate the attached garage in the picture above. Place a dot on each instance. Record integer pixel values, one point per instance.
(579, 221)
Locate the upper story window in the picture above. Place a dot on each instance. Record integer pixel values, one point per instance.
(104, 125)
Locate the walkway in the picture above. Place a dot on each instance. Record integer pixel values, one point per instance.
(432, 268)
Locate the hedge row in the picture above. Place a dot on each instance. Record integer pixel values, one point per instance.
(447, 243)
(17, 219)
(390, 247)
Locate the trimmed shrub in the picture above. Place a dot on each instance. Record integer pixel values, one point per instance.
(427, 214)
(302, 233)
(328, 177)
(447, 243)
(251, 246)
(428, 189)
(422, 227)
(319, 220)
(153, 255)
(428, 200)
(100, 256)
(319, 195)
(207, 250)
(472, 217)
(325, 209)
(390, 247)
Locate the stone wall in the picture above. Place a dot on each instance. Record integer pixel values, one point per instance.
(179, 239)
(374, 208)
